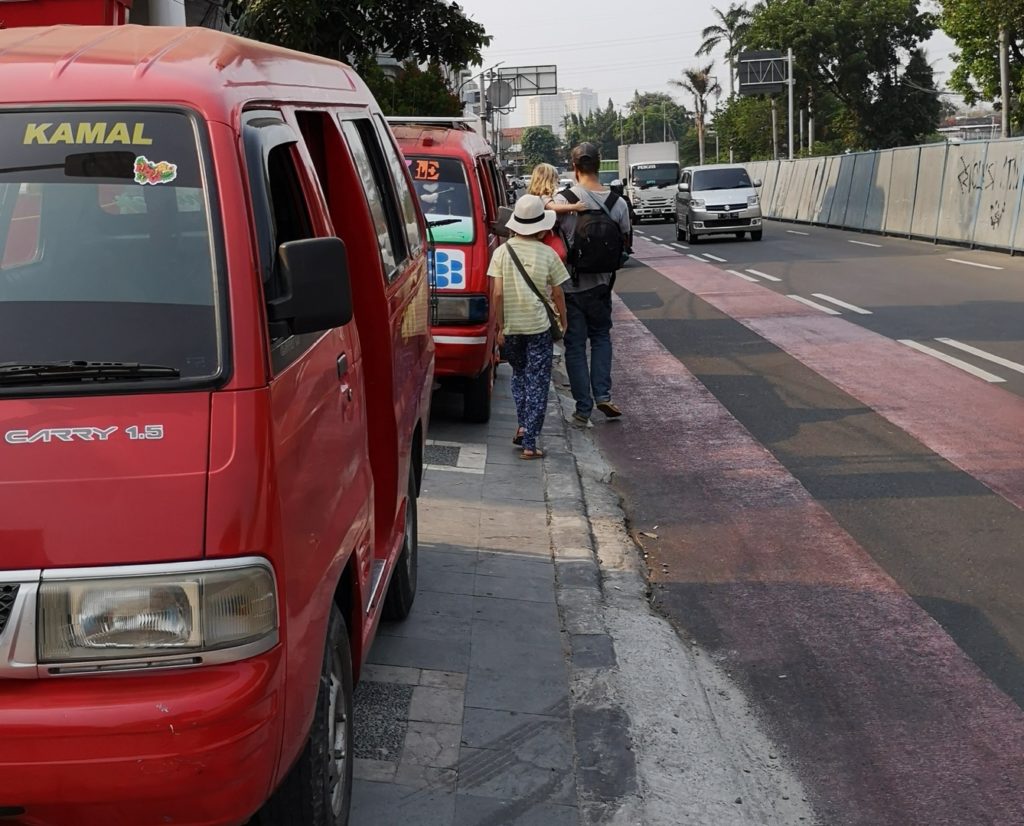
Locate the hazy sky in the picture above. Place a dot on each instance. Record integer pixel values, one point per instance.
(625, 45)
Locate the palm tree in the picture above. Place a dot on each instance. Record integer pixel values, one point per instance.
(701, 85)
(730, 29)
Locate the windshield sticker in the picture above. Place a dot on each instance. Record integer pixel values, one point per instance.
(47, 134)
(427, 170)
(154, 172)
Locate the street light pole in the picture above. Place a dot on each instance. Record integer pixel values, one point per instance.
(791, 83)
(1004, 80)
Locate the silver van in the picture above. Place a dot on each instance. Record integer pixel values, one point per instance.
(717, 199)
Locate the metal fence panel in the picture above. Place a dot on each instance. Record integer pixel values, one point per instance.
(965, 176)
(841, 198)
(1000, 193)
(902, 190)
(860, 187)
(874, 213)
(928, 195)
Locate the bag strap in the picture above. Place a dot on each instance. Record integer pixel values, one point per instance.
(552, 318)
(612, 197)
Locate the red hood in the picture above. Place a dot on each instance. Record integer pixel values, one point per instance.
(76, 489)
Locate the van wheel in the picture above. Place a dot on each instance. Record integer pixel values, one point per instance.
(680, 235)
(318, 789)
(756, 236)
(402, 590)
(691, 236)
(476, 399)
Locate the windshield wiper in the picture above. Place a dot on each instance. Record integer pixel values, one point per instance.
(56, 372)
(444, 222)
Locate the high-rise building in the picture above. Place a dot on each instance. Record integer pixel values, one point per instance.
(550, 110)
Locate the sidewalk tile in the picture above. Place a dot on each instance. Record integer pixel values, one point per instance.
(501, 774)
(432, 744)
(389, 803)
(488, 811)
(426, 777)
(436, 705)
(381, 771)
(443, 679)
(517, 677)
(445, 582)
(389, 674)
(519, 615)
(534, 590)
(441, 655)
(544, 740)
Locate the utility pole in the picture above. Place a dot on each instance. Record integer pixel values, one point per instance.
(1004, 80)
(484, 104)
(664, 123)
(643, 120)
(791, 82)
(775, 131)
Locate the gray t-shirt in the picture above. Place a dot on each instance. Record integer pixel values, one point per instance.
(593, 200)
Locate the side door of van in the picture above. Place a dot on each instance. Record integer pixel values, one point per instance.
(317, 419)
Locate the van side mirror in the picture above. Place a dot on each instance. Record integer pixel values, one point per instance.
(757, 182)
(316, 289)
(684, 187)
(500, 225)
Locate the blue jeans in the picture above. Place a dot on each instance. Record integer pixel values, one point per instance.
(590, 318)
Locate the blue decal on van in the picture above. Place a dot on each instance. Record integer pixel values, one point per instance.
(449, 269)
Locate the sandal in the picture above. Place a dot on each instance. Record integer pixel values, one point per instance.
(609, 409)
(517, 440)
(536, 453)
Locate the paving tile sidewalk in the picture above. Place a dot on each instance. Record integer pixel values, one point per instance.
(463, 713)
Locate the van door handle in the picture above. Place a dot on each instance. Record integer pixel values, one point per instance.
(342, 365)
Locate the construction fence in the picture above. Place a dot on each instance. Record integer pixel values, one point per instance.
(968, 193)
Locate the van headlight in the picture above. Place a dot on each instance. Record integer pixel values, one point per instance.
(697, 203)
(752, 200)
(153, 616)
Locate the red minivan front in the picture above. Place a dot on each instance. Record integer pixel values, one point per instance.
(458, 186)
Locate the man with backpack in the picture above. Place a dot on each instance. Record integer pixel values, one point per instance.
(596, 240)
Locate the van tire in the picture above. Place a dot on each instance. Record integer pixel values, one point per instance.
(691, 237)
(476, 398)
(680, 235)
(308, 796)
(756, 236)
(402, 590)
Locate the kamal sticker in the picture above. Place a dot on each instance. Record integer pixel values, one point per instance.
(154, 172)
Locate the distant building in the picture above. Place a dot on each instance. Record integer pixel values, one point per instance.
(551, 110)
(972, 128)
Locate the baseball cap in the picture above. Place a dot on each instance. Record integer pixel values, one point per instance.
(585, 150)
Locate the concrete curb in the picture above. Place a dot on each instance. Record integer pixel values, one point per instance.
(662, 735)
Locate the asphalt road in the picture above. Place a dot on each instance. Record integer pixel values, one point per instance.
(835, 513)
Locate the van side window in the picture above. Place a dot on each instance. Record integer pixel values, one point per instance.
(400, 176)
(500, 187)
(378, 189)
(288, 205)
(487, 191)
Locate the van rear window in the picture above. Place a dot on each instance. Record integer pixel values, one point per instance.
(442, 187)
(106, 247)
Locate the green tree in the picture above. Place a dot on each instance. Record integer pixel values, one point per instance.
(413, 91)
(729, 30)
(974, 26)
(421, 30)
(744, 125)
(701, 85)
(600, 127)
(850, 49)
(653, 116)
(541, 145)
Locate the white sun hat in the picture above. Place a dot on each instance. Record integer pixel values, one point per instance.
(529, 216)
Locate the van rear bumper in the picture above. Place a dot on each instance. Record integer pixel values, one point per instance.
(461, 352)
(189, 747)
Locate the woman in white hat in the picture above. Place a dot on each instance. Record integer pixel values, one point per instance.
(525, 270)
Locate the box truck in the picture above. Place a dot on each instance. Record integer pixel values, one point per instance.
(650, 173)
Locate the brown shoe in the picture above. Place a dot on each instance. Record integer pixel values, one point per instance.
(609, 409)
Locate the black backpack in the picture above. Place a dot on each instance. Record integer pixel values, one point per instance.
(597, 245)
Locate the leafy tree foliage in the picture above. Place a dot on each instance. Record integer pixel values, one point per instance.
(744, 125)
(541, 145)
(600, 127)
(413, 91)
(729, 31)
(421, 30)
(854, 51)
(701, 85)
(974, 26)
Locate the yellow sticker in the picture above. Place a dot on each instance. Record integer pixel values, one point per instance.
(121, 132)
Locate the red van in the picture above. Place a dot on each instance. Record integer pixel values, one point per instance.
(460, 191)
(215, 376)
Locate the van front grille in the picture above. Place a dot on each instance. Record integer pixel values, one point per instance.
(7, 596)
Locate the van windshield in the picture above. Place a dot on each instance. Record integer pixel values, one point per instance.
(655, 174)
(711, 179)
(106, 242)
(442, 186)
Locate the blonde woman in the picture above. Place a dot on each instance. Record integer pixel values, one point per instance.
(544, 182)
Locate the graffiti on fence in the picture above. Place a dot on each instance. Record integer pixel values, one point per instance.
(1001, 178)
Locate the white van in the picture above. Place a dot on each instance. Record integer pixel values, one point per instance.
(717, 199)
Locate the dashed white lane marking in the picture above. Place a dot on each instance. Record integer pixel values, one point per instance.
(796, 232)
(814, 304)
(680, 246)
(963, 365)
(839, 303)
(698, 258)
(741, 275)
(715, 258)
(967, 348)
(973, 264)
(864, 244)
(764, 275)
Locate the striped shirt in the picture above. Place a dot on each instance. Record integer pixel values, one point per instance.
(524, 314)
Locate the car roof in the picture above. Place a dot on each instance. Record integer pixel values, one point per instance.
(213, 71)
(708, 166)
(428, 139)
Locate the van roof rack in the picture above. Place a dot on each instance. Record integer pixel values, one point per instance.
(465, 124)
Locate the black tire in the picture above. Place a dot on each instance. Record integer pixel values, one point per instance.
(680, 235)
(402, 590)
(476, 398)
(691, 237)
(756, 235)
(318, 789)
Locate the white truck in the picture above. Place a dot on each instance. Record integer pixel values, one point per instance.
(650, 173)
